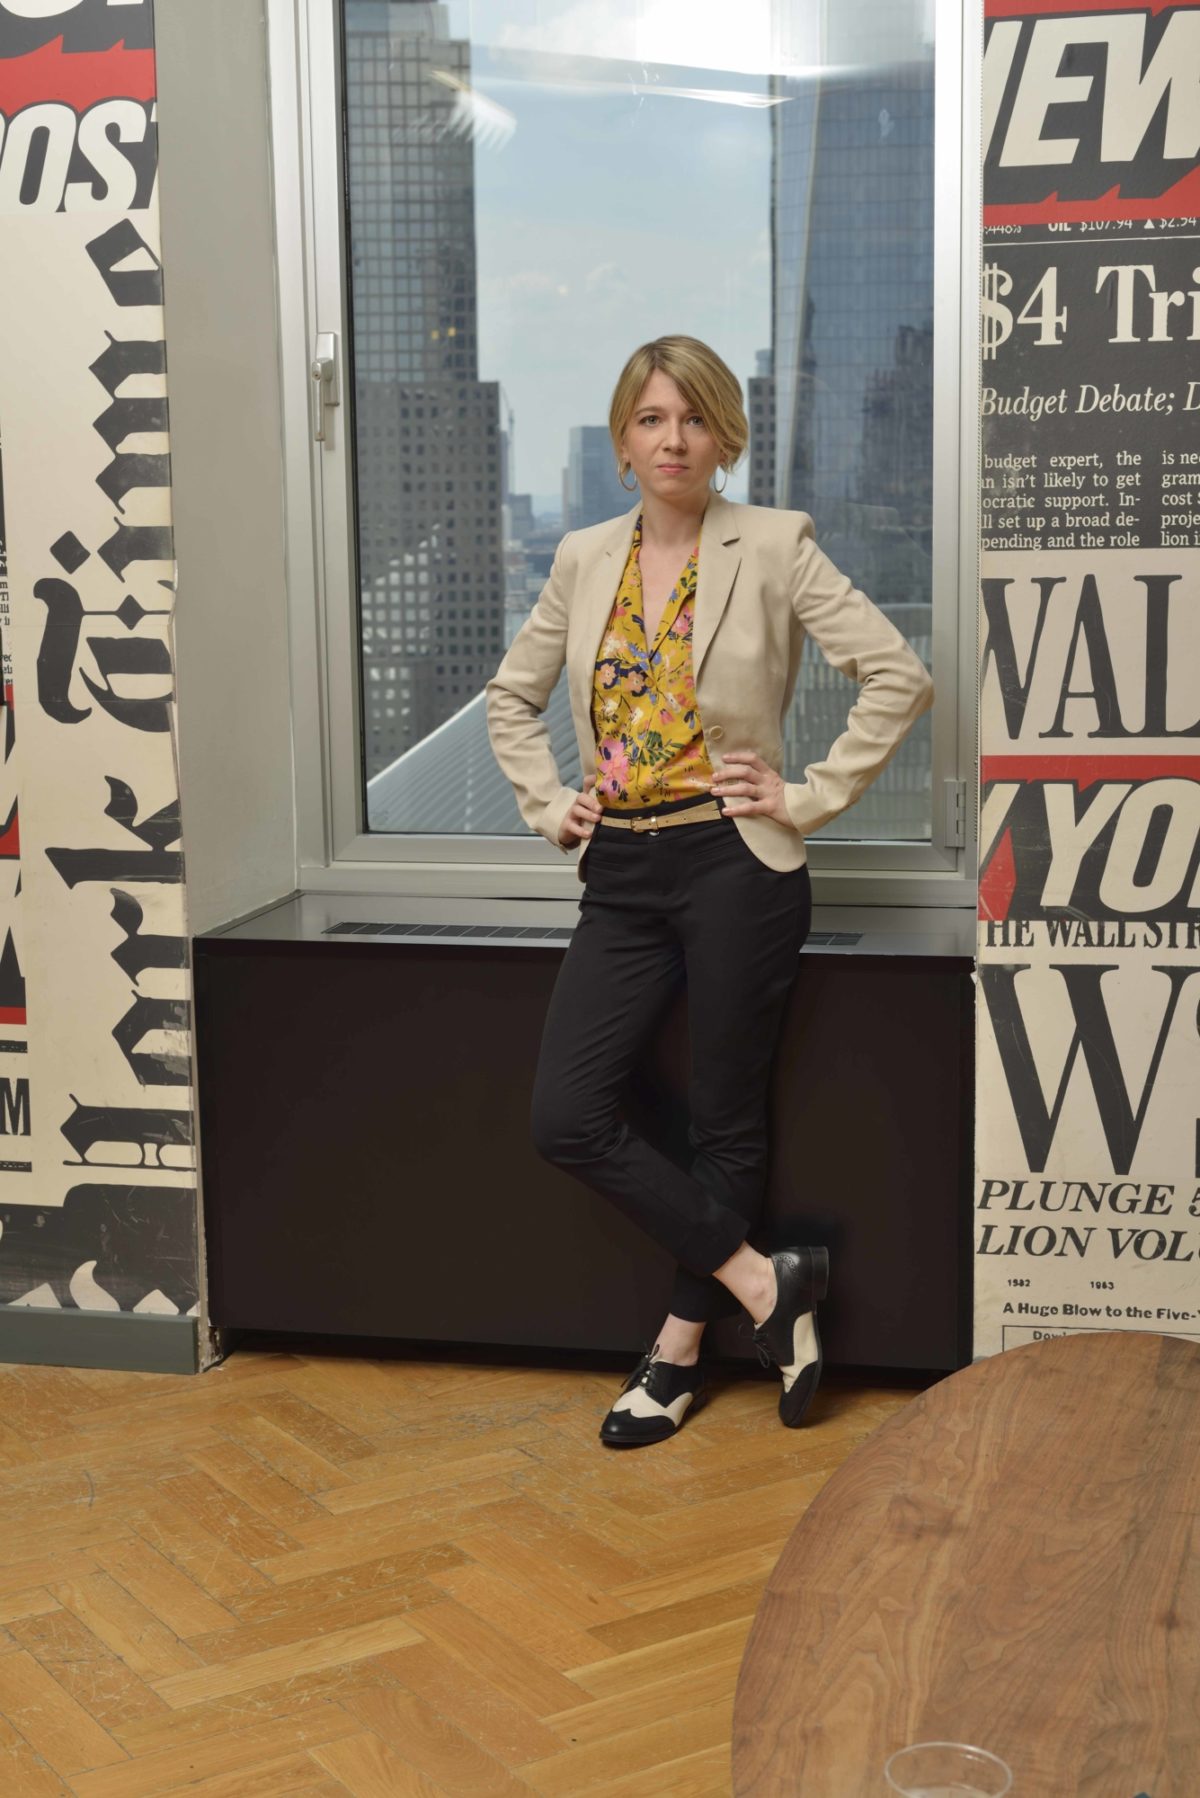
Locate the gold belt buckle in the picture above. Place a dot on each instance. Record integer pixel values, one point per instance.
(650, 824)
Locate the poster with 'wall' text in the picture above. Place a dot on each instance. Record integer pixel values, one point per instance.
(1087, 1192)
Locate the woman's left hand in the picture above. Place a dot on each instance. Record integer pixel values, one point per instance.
(748, 785)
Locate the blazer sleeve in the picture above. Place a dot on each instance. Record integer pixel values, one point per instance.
(516, 696)
(895, 687)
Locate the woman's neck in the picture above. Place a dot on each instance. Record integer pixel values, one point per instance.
(670, 526)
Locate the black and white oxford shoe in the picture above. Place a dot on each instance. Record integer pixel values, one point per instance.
(654, 1401)
(790, 1336)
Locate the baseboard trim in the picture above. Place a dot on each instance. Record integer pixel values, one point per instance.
(124, 1341)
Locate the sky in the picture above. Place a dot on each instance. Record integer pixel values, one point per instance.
(605, 217)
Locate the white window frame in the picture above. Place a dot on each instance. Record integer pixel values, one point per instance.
(335, 850)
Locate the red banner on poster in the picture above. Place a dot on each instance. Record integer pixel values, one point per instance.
(1020, 9)
(77, 80)
(1180, 201)
(1083, 770)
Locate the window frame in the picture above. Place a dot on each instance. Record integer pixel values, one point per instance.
(335, 850)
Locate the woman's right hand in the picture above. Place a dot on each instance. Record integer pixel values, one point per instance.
(583, 816)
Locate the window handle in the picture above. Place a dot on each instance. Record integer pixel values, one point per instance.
(325, 374)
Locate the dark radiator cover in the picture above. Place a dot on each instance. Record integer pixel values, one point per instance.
(368, 1168)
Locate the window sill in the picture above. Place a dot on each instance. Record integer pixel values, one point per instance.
(895, 932)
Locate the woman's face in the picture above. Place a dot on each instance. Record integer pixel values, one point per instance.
(668, 444)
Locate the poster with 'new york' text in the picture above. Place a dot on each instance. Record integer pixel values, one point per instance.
(1087, 1191)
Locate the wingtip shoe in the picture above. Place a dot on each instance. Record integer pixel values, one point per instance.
(654, 1402)
(790, 1336)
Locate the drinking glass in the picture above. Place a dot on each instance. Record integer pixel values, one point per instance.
(947, 1770)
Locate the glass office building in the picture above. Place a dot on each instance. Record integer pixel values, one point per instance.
(429, 463)
(850, 403)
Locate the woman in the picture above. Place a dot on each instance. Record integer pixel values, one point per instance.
(681, 625)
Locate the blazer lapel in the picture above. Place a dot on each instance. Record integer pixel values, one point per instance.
(719, 560)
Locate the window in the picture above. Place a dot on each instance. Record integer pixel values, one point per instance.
(504, 199)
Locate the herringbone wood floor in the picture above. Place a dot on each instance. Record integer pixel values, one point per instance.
(316, 1575)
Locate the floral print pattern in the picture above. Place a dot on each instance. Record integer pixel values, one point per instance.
(649, 739)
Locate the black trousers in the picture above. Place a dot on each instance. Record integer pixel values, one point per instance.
(692, 904)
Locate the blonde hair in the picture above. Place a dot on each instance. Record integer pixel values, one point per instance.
(702, 378)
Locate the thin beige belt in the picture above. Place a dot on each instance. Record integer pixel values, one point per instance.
(694, 814)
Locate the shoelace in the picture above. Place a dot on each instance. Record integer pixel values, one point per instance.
(755, 1332)
(650, 1358)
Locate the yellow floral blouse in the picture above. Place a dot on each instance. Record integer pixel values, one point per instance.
(649, 739)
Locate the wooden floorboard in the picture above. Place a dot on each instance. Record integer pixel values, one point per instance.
(314, 1575)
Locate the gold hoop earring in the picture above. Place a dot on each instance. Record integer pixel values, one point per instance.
(621, 478)
(721, 489)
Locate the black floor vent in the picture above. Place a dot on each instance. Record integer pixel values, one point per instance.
(530, 933)
(459, 933)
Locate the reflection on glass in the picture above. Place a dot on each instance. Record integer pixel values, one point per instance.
(534, 188)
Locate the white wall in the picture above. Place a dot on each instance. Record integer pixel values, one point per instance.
(227, 465)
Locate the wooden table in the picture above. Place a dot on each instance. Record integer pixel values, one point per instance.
(1011, 1561)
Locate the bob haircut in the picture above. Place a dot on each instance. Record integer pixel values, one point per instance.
(701, 377)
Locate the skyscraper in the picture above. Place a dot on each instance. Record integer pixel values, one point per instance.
(760, 413)
(852, 247)
(427, 430)
(591, 490)
(853, 269)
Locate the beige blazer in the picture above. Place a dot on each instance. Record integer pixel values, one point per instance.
(762, 587)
